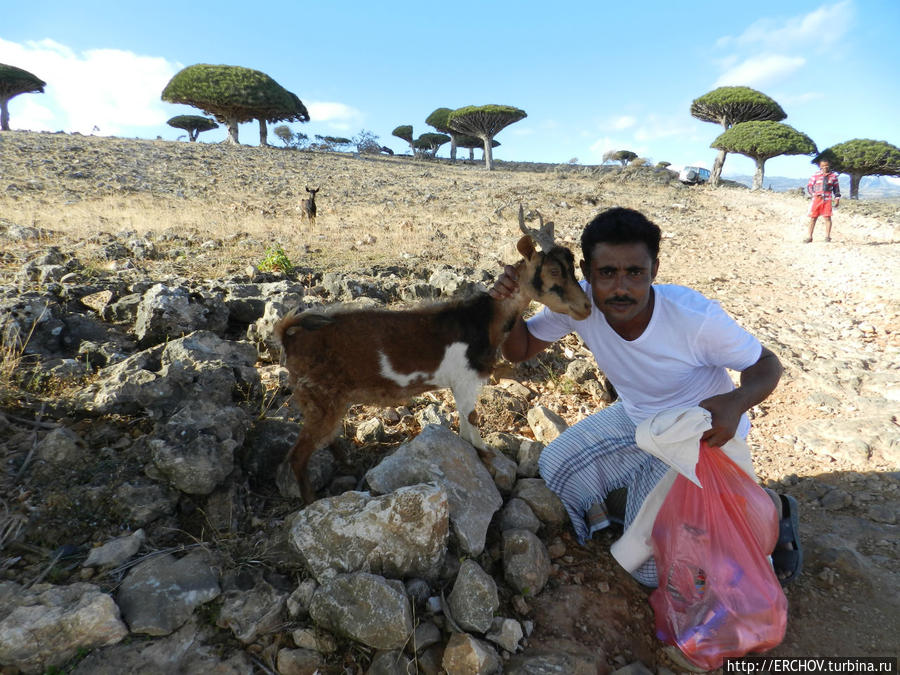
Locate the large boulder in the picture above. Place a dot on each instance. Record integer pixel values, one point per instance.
(439, 455)
(44, 626)
(167, 313)
(402, 534)
(195, 450)
(364, 607)
(159, 595)
(198, 366)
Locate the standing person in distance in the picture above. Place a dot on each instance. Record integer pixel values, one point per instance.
(825, 191)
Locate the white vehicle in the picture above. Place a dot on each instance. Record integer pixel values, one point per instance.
(693, 175)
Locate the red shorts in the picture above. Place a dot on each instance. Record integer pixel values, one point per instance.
(820, 207)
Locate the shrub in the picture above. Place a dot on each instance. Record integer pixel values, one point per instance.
(367, 143)
(275, 260)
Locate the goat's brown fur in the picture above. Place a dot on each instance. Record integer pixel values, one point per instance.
(382, 357)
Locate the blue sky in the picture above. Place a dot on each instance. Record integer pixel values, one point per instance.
(592, 76)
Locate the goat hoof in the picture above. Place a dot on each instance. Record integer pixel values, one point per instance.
(286, 482)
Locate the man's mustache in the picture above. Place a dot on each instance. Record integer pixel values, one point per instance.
(619, 299)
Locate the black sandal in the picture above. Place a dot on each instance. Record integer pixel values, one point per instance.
(787, 558)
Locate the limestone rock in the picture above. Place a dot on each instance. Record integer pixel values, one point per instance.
(364, 607)
(437, 454)
(526, 562)
(401, 534)
(466, 655)
(474, 598)
(159, 595)
(545, 423)
(45, 626)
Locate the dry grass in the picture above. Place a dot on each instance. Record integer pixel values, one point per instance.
(372, 211)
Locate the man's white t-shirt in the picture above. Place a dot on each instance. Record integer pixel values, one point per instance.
(680, 359)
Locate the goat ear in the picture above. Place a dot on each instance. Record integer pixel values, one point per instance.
(526, 247)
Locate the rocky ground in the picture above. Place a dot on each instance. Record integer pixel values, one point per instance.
(115, 430)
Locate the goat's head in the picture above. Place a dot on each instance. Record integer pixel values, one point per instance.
(548, 275)
(312, 193)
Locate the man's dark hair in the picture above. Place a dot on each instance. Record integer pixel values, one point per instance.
(620, 226)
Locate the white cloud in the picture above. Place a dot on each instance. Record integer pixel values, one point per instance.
(623, 122)
(758, 71)
(337, 115)
(109, 89)
(655, 127)
(645, 135)
(772, 50)
(825, 25)
(605, 144)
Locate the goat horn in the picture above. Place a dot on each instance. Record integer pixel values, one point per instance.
(542, 237)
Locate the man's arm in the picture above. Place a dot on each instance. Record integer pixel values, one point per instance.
(521, 345)
(837, 188)
(757, 382)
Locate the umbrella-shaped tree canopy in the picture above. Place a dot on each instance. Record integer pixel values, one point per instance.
(862, 157)
(193, 124)
(762, 141)
(732, 105)
(485, 122)
(233, 94)
(15, 81)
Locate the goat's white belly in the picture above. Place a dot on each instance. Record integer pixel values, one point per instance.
(454, 370)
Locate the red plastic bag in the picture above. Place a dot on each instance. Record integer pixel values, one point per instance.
(718, 595)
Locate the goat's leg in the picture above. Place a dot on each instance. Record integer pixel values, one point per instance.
(320, 424)
(465, 393)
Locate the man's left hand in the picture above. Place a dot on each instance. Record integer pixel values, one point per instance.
(726, 415)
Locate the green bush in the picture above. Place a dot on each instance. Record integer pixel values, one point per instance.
(275, 260)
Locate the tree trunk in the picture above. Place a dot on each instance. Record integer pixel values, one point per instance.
(192, 134)
(452, 147)
(232, 125)
(854, 185)
(471, 154)
(488, 153)
(759, 175)
(4, 114)
(263, 133)
(716, 172)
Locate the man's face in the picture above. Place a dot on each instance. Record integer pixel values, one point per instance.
(825, 166)
(620, 276)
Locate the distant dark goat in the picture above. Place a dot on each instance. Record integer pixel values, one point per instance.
(309, 205)
(377, 356)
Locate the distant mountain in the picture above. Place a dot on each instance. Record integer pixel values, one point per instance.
(870, 187)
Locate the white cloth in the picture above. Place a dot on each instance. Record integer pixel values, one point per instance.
(674, 437)
(680, 359)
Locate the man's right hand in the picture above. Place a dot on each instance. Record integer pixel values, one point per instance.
(506, 285)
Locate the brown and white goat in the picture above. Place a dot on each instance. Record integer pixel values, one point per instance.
(384, 357)
(309, 205)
